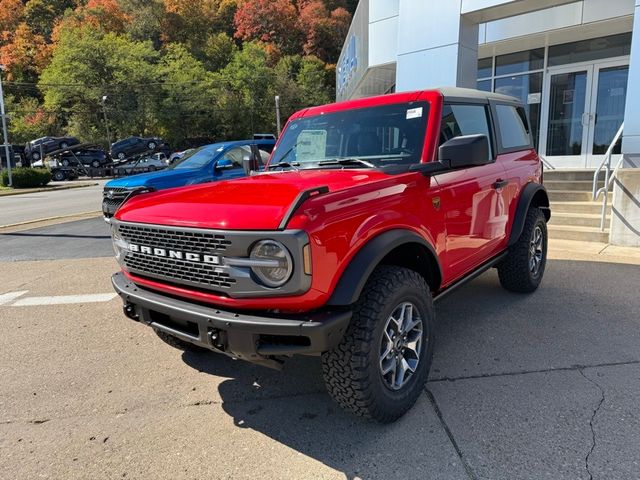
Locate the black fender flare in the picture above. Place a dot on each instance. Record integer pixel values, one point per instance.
(532, 193)
(361, 266)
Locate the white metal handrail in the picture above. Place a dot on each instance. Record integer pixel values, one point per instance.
(608, 176)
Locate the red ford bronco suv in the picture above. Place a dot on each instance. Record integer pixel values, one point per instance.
(369, 211)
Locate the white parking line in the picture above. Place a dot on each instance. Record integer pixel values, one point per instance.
(64, 299)
(11, 296)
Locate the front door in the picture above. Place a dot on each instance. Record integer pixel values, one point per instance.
(584, 109)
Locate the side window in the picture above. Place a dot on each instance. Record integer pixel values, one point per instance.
(514, 128)
(236, 155)
(460, 120)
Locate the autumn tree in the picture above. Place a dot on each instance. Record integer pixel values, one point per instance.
(269, 21)
(23, 54)
(325, 30)
(11, 13)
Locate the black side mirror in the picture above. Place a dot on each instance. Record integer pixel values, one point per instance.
(464, 151)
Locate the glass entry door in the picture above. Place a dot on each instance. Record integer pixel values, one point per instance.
(585, 107)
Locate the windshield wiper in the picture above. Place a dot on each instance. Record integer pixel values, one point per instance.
(347, 161)
(293, 165)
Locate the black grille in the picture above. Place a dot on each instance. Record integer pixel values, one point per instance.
(204, 275)
(112, 202)
(115, 190)
(186, 241)
(179, 270)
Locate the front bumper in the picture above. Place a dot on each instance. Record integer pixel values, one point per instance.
(246, 336)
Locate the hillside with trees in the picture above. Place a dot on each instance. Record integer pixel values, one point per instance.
(182, 69)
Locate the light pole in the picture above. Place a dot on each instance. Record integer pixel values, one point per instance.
(278, 113)
(106, 123)
(4, 129)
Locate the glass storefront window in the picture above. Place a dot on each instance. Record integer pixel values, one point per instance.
(485, 67)
(484, 85)
(588, 50)
(528, 89)
(610, 100)
(520, 62)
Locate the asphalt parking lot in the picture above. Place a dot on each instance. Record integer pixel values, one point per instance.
(522, 387)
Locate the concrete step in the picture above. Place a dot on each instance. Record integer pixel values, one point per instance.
(578, 219)
(572, 196)
(576, 207)
(572, 174)
(570, 185)
(573, 232)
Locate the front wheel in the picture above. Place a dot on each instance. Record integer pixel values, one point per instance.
(35, 156)
(381, 365)
(122, 156)
(95, 164)
(151, 145)
(65, 162)
(523, 268)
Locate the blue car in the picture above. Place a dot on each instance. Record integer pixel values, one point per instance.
(210, 163)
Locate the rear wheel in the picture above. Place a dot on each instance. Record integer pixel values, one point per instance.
(35, 156)
(523, 268)
(177, 343)
(95, 164)
(122, 156)
(381, 365)
(65, 162)
(151, 145)
(58, 176)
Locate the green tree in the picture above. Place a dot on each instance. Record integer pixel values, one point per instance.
(187, 101)
(41, 15)
(88, 64)
(246, 93)
(28, 120)
(218, 51)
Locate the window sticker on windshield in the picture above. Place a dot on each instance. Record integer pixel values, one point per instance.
(414, 113)
(311, 145)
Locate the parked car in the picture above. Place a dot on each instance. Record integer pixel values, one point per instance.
(218, 161)
(42, 146)
(147, 164)
(134, 145)
(93, 157)
(373, 209)
(177, 155)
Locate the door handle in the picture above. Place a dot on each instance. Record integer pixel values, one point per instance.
(499, 184)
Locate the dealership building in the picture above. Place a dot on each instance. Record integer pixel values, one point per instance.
(574, 64)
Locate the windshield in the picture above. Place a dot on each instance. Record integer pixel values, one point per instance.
(197, 158)
(364, 137)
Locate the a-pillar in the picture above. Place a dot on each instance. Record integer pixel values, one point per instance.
(437, 46)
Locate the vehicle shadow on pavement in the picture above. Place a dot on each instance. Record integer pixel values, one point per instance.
(583, 314)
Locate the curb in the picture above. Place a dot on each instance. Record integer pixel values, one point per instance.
(59, 217)
(44, 189)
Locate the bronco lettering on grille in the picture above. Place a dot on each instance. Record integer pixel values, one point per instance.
(168, 253)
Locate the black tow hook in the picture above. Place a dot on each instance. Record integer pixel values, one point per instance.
(129, 310)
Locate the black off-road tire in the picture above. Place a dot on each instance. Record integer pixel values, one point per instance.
(352, 372)
(177, 343)
(59, 176)
(514, 271)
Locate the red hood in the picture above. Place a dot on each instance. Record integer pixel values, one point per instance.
(254, 203)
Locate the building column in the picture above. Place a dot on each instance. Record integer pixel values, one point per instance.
(437, 46)
(631, 133)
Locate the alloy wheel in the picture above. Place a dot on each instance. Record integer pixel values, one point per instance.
(536, 251)
(401, 345)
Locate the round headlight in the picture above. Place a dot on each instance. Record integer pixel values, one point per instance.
(281, 266)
